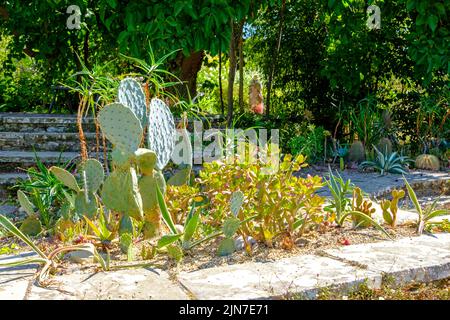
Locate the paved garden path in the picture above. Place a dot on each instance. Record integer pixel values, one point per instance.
(424, 258)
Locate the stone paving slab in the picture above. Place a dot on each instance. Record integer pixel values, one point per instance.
(14, 280)
(290, 276)
(424, 258)
(135, 284)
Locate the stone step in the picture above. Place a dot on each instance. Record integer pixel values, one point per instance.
(11, 160)
(30, 122)
(45, 141)
(7, 180)
(26, 122)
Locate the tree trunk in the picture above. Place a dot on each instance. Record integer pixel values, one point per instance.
(241, 75)
(275, 57)
(236, 33)
(187, 68)
(222, 107)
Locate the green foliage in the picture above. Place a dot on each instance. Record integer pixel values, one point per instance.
(363, 206)
(424, 214)
(387, 163)
(310, 143)
(340, 191)
(290, 202)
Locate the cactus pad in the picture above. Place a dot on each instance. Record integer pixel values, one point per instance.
(65, 177)
(231, 226)
(226, 247)
(31, 226)
(161, 132)
(121, 127)
(146, 160)
(25, 203)
(120, 193)
(86, 204)
(132, 96)
(93, 173)
(237, 199)
(180, 178)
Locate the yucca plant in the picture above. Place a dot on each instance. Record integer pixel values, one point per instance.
(425, 214)
(387, 163)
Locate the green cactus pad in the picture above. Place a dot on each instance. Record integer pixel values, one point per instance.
(237, 199)
(180, 178)
(226, 247)
(120, 159)
(121, 127)
(147, 187)
(86, 204)
(66, 178)
(94, 174)
(31, 226)
(160, 180)
(125, 225)
(25, 203)
(161, 132)
(146, 160)
(132, 96)
(231, 226)
(120, 193)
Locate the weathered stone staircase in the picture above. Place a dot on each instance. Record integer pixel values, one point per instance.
(54, 138)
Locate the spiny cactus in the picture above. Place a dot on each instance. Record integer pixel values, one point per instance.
(121, 127)
(385, 146)
(132, 96)
(231, 225)
(390, 208)
(161, 132)
(428, 162)
(356, 152)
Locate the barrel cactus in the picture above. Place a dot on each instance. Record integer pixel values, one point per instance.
(356, 152)
(428, 162)
(385, 146)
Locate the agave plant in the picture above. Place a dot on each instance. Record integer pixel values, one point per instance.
(387, 162)
(425, 214)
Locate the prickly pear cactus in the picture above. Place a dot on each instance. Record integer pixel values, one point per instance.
(86, 204)
(120, 193)
(146, 160)
(93, 174)
(121, 127)
(132, 96)
(66, 178)
(161, 132)
(31, 226)
(25, 203)
(237, 199)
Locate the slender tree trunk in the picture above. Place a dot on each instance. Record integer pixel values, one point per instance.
(241, 75)
(236, 33)
(275, 57)
(222, 107)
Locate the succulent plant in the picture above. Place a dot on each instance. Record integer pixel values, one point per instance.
(356, 152)
(361, 205)
(390, 207)
(132, 96)
(231, 225)
(161, 132)
(92, 175)
(385, 146)
(121, 126)
(428, 162)
(387, 163)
